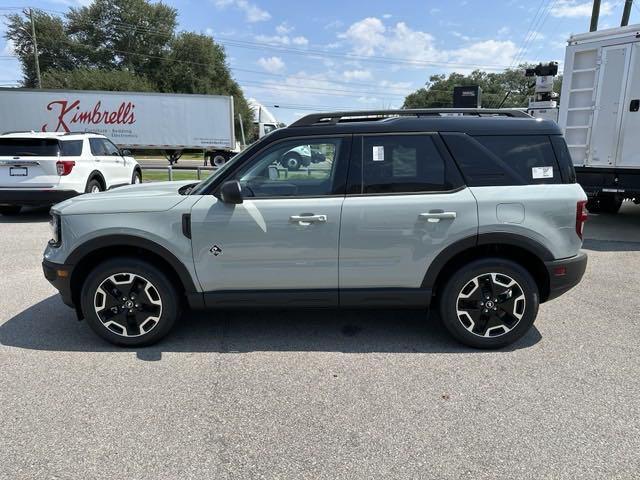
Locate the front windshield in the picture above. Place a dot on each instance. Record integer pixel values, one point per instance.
(202, 186)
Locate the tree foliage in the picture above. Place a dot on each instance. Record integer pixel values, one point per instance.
(124, 45)
(438, 91)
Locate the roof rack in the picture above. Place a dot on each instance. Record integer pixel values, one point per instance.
(331, 118)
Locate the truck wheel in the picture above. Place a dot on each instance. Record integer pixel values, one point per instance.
(218, 160)
(93, 186)
(604, 204)
(129, 302)
(10, 210)
(610, 204)
(489, 303)
(291, 161)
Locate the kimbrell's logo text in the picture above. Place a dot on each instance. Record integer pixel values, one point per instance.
(70, 114)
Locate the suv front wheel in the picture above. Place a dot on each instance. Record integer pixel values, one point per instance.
(129, 302)
(489, 303)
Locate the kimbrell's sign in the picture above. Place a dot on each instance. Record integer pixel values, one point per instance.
(71, 113)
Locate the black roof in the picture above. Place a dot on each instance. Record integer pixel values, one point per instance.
(471, 121)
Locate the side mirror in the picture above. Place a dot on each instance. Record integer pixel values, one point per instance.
(126, 153)
(231, 192)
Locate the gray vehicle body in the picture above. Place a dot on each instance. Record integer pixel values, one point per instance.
(367, 249)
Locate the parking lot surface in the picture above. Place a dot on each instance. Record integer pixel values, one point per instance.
(336, 395)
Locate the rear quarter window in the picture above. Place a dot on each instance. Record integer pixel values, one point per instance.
(530, 156)
(71, 148)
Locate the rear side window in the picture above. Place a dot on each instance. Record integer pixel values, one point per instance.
(530, 156)
(71, 148)
(28, 147)
(403, 164)
(97, 147)
(499, 160)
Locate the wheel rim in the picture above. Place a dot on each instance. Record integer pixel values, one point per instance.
(95, 188)
(136, 179)
(292, 162)
(490, 305)
(128, 304)
(218, 161)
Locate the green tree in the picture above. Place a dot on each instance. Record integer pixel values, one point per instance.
(438, 92)
(53, 48)
(122, 34)
(87, 79)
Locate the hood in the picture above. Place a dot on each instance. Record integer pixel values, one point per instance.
(147, 197)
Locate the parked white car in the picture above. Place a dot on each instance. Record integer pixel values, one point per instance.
(41, 168)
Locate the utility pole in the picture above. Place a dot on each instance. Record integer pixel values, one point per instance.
(35, 47)
(595, 15)
(626, 13)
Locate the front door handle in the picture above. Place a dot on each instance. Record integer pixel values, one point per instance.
(308, 219)
(437, 216)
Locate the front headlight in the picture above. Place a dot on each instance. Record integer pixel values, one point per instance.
(56, 236)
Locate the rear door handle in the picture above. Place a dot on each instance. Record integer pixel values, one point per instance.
(308, 219)
(634, 106)
(437, 216)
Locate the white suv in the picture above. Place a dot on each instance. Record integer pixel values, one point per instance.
(42, 168)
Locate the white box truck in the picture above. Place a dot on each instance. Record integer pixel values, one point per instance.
(600, 114)
(152, 121)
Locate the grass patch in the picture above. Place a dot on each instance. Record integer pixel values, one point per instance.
(163, 175)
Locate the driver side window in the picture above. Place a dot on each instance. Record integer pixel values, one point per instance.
(296, 168)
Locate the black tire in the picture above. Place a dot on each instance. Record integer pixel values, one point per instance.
(291, 161)
(161, 290)
(10, 210)
(92, 185)
(522, 304)
(604, 204)
(136, 177)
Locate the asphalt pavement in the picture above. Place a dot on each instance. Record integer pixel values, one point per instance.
(315, 395)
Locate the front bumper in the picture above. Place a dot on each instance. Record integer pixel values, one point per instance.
(34, 197)
(565, 274)
(60, 277)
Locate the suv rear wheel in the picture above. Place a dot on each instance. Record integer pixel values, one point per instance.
(10, 210)
(93, 186)
(129, 302)
(489, 303)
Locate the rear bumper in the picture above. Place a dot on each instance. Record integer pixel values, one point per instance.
(34, 197)
(565, 274)
(62, 283)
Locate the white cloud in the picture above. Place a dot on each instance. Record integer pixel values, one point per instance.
(371, 37)
(504, 31)
(387, 15)
(282, 40)
(252, 12)
(357, 75)
(272, 64)
(300, 40)
(574, 8)
(284, 28)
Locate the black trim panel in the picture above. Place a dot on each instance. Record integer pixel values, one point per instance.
(443, 257)
(385, 297)
(513, 239)
(62, 284)
(35, 197)
(132, 241)
(271, 298)
(574, 270)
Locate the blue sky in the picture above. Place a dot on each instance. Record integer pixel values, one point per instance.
(305, 56)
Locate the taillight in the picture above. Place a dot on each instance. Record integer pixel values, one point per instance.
(581, 216)
(64, 167)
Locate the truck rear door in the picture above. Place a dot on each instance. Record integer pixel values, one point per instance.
(628, 155)
(28, 163)
(609, 99)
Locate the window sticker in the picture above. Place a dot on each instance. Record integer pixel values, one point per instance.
(378, 153)
(542, 172)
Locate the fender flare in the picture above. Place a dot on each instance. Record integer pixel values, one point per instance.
(96, 174)
(499, 238)
(86, 248)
